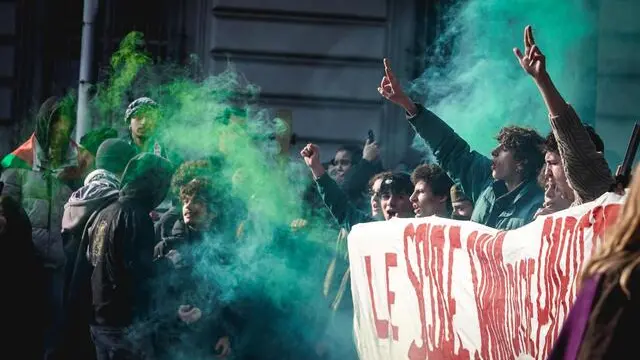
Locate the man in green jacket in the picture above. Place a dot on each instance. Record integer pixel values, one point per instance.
(504, 188)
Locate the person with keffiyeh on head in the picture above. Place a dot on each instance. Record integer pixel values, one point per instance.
(142, 117)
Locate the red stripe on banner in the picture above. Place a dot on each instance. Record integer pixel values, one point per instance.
(382, 325)
(438, 336)
(503, 291)
(415, 351)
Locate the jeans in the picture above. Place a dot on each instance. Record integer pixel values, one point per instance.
(116, 343)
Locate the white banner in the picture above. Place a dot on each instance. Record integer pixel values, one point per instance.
(436, 288)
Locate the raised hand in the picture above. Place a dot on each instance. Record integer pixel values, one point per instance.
(371, 151)
(311, 155)
(532, 60)
(391, 90)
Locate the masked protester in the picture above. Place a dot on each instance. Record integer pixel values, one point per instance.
(40, 175)
(120, 249)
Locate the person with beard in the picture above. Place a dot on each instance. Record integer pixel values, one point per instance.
(22, 282)
(142, 117)
(101, 188)
(461, 204)
(40, 175)
(120, 249)
(504, 188)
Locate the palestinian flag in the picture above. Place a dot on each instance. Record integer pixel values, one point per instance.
(75, 166)
(22, 157)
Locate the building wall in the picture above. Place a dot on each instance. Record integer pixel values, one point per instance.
(8, 47)
(618, 87)
(320, 59)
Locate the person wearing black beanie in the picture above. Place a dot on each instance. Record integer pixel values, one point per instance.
(101, 188)
(113, 155)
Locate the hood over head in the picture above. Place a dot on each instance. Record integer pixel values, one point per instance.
(99, 186)
(50, 110)
(146, 179)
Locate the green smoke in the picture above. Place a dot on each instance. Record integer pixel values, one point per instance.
(277, 270)
(473, 80)
(126, 63)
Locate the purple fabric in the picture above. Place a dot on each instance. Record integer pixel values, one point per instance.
(568, 343)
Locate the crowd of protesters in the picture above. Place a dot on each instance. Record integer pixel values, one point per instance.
(92, 228)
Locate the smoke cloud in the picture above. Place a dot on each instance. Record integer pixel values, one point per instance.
(474, 82)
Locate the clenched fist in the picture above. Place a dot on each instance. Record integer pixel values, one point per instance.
(311, 156)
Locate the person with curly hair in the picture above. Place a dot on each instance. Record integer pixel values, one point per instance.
(198, 247)
(431, 192)
(504, 188)
(186, 172)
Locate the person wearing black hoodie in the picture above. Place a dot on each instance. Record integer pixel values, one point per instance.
(21, 279)
(120, 249)
(101, 188)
